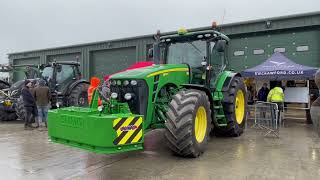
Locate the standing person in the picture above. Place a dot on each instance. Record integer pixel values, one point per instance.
(94, 84)
(32, 89)
(42, 96)
(263, 93)
(250, 95)
(29, 104)
(276, 95)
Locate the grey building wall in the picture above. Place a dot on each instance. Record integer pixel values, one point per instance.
(90, 54)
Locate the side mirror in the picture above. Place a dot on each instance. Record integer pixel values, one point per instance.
(150, 53)
(221, 45)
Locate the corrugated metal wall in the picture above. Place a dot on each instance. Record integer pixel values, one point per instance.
(64, 57)
(300, 45)
(251, 43)
(93, 57)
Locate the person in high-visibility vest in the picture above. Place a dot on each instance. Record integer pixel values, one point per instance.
(276, 95)
(94, 83)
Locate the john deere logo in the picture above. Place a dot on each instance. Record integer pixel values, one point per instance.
(128, 128)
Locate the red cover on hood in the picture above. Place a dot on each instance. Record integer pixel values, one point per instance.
(136, 65)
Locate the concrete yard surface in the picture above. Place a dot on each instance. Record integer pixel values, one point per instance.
(295, 155)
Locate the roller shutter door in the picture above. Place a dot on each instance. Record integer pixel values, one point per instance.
(64, 57)
(104, 62)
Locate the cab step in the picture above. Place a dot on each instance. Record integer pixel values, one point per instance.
(220, 116)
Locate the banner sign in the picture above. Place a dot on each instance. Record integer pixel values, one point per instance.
(268, 73)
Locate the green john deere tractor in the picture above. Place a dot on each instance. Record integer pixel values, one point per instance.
(187, 92)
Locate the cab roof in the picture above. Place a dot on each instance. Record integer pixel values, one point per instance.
(193, 36)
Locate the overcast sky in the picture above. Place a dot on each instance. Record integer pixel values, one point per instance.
(36, 24)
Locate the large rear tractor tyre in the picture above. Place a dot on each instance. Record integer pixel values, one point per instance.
(12, 116)
(20, 110)
(188, 123)
(79, 95)
(235, 108)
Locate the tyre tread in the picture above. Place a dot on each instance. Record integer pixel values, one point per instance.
(179, 122)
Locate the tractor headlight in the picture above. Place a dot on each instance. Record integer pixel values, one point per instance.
(114, 95)
(128, 96)
(200, 36)
(100, 108)
(113, 82)
(126, 82)
(118, 82)
(134, 82)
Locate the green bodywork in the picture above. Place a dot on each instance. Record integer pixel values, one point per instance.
(86, 129)
(220, 119)
(115, 128)
(178, 74)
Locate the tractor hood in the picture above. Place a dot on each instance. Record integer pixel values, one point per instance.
(145, 72)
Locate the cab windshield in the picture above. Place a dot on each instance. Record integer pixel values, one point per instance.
(191, 53)
(47, 73)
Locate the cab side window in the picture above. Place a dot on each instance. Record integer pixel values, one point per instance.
(65, 73)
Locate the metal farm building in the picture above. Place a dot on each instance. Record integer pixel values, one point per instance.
(252, 42)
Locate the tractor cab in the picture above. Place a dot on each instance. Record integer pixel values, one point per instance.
(202, 51)
(65, 83)
(59, 75)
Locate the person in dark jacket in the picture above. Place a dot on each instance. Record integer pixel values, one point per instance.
(42, 97)
(29, 104)
(263, 93)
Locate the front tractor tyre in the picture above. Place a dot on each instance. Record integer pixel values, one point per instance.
(7, 116)
(235, 108)
(188, 123)
(79, 95)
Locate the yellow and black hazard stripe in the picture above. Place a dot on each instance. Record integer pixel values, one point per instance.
(129, 130)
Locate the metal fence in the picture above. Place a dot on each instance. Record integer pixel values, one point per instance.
(268, 117)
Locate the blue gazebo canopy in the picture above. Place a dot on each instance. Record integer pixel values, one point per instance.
(279, 67)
